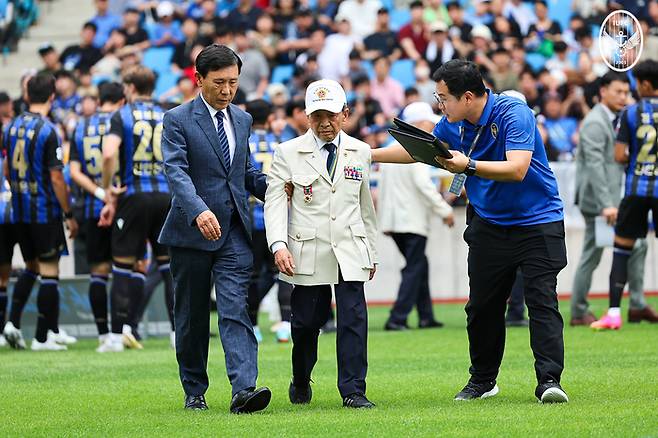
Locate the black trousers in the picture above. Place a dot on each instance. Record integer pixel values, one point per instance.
(414, 286)
(494, 255)
(311, 307)
(516, 305)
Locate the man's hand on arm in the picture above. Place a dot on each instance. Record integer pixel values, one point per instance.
(209, 225)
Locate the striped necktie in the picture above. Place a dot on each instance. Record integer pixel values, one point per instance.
(223, 139)
(331, 159)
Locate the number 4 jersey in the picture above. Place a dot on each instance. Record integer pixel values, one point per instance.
(33, 149)
(637, 129)
(141, 167)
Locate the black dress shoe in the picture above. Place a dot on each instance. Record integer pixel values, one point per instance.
(300, 395)
(250, 400)
(195, 403)
(429, 323)
(395, 327)
(357, 401)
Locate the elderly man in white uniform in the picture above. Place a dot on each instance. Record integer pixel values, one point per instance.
(325, 238)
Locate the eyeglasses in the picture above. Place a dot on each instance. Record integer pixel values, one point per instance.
(439, 101)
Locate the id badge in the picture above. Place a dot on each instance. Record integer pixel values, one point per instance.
(457, 184)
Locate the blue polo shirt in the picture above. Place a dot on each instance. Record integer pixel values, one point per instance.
(507, 124)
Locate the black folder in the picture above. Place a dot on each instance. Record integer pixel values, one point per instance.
(421, 145)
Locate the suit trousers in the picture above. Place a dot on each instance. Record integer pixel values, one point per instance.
(414, 286)
(192, 271)
(589, 261)
(311, 307)
(494, 255)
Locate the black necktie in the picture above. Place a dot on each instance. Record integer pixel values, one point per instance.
(223, 139)
(331, 159)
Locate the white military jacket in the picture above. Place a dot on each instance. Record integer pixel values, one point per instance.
(329, 224)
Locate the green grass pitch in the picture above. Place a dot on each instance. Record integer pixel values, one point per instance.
(610, 377)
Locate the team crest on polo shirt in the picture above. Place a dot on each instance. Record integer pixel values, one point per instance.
(494, 130)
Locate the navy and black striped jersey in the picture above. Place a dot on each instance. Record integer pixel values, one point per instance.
(87, 149)
(33, 149)
(261, 147)
(5, 198)
(637, 129)
(141, 167)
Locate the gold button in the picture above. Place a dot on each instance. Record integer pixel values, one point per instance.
(298, 235)
(333, 190)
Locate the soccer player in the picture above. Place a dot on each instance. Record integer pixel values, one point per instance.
(86, 171)
(261, 144)
(39, 198)
(136, 215)
(636, 146)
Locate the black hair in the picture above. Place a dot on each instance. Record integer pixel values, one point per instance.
(110, 92)
(416, 4)
(354, 54)
(40, 88)
(610, 76)
(360, 79)
(64, 74)
(560, 47)
(647, 71)
(411, 91)
(453, 4)
(294, 104)
(90, 25)
(382, 11)
(382, 57)
(142, 78)
(460, 76)
(216, 57)
(260, 110)
(4, 97)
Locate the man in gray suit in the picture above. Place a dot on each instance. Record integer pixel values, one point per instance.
(206, 157)
(598, 192)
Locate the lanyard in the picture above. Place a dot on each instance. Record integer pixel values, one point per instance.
(475, 140)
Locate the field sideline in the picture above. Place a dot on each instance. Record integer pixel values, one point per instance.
(611, 378)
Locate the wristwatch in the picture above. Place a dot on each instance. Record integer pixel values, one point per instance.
(470, 167)
(68, 215)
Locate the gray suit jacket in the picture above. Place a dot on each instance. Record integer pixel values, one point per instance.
(200, 179)
(598, 176)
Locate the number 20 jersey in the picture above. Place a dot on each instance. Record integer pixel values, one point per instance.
(638, 128)
(141, 167)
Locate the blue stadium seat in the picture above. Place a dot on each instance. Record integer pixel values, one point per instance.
(158, 59)
(398, 18)
(165, 82)
(368, 67)
(282, 74)
(403, 71)
(536, 61)
(560, 11)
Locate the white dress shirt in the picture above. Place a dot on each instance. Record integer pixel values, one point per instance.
(228, 126)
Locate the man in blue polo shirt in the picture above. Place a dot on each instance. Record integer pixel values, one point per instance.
(515, 220)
